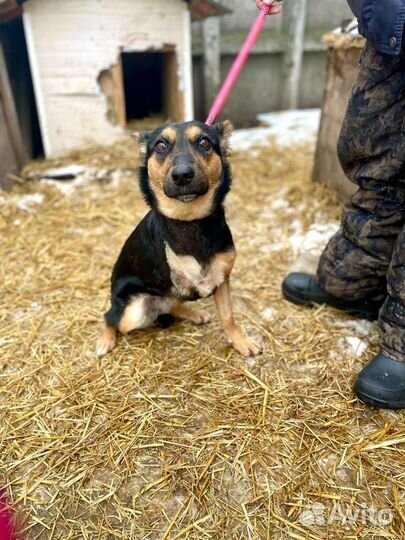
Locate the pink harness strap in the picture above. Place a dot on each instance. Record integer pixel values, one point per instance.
(7, 531)
(237, 66)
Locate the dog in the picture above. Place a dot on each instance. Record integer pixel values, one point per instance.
(183, 249)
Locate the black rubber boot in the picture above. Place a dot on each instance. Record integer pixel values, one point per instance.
(381, 383)
(302, 289)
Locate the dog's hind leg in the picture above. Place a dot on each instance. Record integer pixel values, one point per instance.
(140, 312)
(107, 341)
(197, 316)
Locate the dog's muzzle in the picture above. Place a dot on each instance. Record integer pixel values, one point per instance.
(184, 185)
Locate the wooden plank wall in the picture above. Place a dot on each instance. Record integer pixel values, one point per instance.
(12, 152)
(71, 43)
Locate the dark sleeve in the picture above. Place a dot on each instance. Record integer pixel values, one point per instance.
(381, 23)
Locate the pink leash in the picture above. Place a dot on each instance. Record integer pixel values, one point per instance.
(238, 66)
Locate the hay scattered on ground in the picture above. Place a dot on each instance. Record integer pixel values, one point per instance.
(174, 435)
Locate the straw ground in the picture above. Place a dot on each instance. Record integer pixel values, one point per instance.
(174, 435)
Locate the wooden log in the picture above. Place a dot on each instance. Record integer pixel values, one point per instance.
(343, 60)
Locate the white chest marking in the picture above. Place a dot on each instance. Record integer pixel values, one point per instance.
(189, 276)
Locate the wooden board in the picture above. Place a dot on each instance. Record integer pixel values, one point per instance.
(12, 152)
(173, 97)
(8, 160)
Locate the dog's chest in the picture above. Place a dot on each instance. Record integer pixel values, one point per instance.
(190, 279)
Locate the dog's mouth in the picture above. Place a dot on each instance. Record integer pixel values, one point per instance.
(188, 198)
(185, 194)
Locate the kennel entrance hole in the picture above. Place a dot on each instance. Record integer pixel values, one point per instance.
(151, 87)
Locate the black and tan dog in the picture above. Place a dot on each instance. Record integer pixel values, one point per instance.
(182, 249)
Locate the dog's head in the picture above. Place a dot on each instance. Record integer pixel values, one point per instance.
(185, 171)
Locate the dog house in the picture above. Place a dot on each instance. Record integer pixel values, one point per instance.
(98, 65)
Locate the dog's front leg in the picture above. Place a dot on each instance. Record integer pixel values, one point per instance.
(239, 340)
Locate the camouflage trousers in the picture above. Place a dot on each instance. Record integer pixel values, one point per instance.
(366, 258)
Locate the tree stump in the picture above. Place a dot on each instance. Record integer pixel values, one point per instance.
(344, 52)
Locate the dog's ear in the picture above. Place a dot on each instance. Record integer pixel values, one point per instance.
(141, 138)
(225, 130)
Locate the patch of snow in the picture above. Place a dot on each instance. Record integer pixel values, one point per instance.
(67, 187)
(345, 475)
(358, 346)
(86, 177)
(27, 202)
(251, 361)
(309, 246)
(279, 204)
(285, 128)
(268, 314)
(351, 28)
(296, 226)
(315, 238)
(361, 327)
(116, 177)
(272, 247)
(64, 173)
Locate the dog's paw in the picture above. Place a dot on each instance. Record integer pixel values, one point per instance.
(106, 342)
(243, 344)
(199, 316)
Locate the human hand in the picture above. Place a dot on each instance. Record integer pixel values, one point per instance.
(273, 10)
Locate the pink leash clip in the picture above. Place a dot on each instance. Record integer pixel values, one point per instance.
(238, 66)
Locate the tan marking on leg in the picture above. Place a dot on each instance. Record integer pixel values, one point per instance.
(107, 341)
(137, 315)
(193, 133)
(197, 316)
(223, 262)
(169, 134)
(142, 312)
(241, 342)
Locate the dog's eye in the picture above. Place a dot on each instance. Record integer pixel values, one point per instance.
(161, 147)
(205, 143)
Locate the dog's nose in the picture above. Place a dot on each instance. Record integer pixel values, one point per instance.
(182, 175)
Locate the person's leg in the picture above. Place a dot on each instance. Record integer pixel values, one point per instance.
(382, 382)
(372, 153)
(392, 314)
(359, 267)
